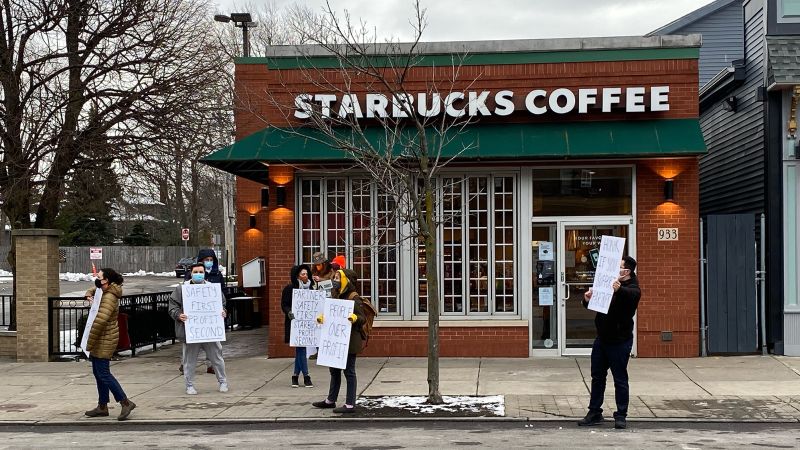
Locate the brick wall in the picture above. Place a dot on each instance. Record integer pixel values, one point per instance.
(37, 279)
(254, 81)
(668, 270)
(8, 344)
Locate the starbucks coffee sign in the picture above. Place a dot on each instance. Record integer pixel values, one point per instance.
(485, 103)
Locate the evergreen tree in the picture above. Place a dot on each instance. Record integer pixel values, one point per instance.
(138, 236)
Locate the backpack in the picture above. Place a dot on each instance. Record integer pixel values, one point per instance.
(369, 314)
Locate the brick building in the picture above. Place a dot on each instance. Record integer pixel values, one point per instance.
(576, 138)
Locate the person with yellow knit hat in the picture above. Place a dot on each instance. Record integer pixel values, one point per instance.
(344, 287)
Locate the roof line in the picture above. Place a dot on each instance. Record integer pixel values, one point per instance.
(692, 17)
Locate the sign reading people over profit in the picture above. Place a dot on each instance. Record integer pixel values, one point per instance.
(606, 273)
(636, 99)
(202, 304)
(307, 304)
(334, 341)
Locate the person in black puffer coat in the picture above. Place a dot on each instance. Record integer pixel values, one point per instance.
(612, 347)
(300, 279)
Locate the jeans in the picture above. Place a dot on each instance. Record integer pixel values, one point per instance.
(350, 376)
(300, 361)
(105, 381)
(615, 357)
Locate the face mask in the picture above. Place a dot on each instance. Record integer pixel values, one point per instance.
(198, 277)
(208, 264)
(623, 272)
(98, 284)
(336, 286)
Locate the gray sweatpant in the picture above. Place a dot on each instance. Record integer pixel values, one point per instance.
(213, 353)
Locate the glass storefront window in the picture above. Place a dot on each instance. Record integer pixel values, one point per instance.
(591, 191)
(347, 216)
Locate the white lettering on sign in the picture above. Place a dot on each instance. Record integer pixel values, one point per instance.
(667, 234)
(633, 99)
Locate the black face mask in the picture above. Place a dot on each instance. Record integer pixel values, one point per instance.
(98, 284)
(337, 285)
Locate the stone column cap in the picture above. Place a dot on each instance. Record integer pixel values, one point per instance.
(36, 232)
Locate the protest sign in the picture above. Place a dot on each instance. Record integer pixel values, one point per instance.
(98, 294)
(202, 304)
(307, 304)
(606, 273)
(326, 286)
(334, 341)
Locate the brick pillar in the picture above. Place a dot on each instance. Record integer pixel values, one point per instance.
(37, 279)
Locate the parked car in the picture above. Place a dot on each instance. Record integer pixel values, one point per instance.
(183, 265)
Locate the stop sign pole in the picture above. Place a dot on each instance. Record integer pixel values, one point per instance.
(185, 237)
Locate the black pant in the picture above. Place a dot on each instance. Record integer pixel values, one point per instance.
(349, 375)
(615, 357)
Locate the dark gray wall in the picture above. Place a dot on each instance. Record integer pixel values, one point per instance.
(732, 173)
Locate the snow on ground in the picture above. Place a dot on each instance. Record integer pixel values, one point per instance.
(416, 404)
(142, 273)
(69, 276)
(3, 273)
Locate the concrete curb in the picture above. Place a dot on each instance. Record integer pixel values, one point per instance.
(300, 420)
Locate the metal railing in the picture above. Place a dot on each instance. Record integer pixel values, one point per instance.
(5, 310)
(144, 321)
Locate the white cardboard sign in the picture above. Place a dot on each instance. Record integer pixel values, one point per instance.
(307, 304)
(98, 294)
(334, 340)
(202, 304)
(606, 273)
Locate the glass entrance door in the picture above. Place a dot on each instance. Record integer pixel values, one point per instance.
(579, 246)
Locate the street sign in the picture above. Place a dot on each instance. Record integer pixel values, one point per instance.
(185, 234)
(95, 253)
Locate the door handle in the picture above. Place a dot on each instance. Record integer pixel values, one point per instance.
(566, 296)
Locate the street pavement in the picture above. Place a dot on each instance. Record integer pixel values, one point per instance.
(714, 389)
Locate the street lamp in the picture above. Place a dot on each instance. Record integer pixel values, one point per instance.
(243, 21)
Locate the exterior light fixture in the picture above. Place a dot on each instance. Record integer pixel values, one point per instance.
(280, 192)
(265, 197)
(669, 190)
(243, 21)
(252, 220)
(729, 104)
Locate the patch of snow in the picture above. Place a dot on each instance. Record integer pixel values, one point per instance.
(495, 404)
(69, 276)
(3, 273)
(142, 273)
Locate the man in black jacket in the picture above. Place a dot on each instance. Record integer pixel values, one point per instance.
(612, 347)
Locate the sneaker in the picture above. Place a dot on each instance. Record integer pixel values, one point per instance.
(210, 370)
(191, 390)
(307, 381)
(620, 423)
(126, 410)
(223, 387)
(97, 412)
(295, 382)
(591, 420)
(344, 409)
(323, 404)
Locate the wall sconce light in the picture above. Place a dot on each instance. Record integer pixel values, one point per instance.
(669, 190)
(280, 192)
(252, 220)
(729, 104)
(264, 197)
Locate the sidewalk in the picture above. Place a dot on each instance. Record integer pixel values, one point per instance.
(750, 388)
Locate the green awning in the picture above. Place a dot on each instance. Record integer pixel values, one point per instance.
(529, 141)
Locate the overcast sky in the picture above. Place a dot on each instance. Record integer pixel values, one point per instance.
(451, 20)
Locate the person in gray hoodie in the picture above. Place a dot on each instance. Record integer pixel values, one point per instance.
(190, 351)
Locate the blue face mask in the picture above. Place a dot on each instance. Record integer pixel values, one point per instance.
(198, 277)
(208, 264)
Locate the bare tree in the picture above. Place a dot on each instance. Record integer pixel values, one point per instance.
(417, 139)
(75, 73)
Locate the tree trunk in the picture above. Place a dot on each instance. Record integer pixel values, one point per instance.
(429, 236)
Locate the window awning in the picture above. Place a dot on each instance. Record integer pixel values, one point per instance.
(250, 157)
(783, 68)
